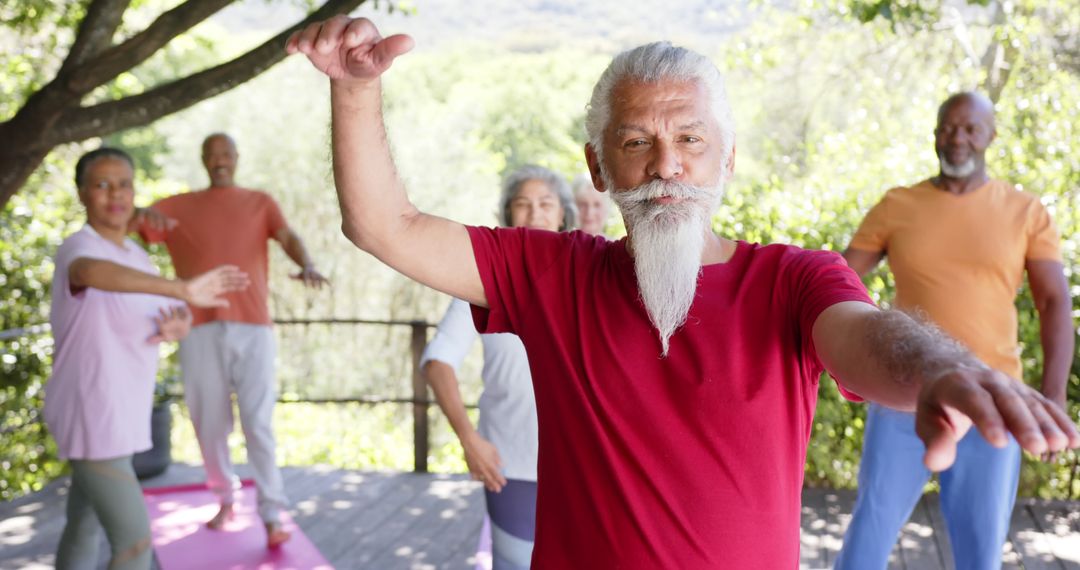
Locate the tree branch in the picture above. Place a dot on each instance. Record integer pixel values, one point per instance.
(78, 76)
(997, 61)
(95, 32)
(138, 48)
(83, 122)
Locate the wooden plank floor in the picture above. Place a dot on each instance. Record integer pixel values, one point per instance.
(391, 520)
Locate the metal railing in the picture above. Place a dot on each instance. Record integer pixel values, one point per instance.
(25, 331)
(419, 401)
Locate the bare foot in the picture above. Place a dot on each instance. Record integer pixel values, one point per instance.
(223, 516)
(275, 535)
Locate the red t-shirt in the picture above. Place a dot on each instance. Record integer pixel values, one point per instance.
(690, 461)
(220, 226)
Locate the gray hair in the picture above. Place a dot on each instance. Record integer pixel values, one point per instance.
(582, 183)
(515, 180)
(652, 63)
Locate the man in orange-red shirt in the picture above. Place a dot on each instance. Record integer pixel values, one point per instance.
(958, 245)
(231, 349)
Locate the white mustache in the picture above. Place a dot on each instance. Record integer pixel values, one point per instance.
(661, 189)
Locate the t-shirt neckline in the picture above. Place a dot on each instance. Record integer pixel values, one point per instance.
(978, 189)
(87, 227)
(741, 249)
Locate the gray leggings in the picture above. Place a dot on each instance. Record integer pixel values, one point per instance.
(105, 494)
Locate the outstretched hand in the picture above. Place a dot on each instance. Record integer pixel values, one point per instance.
(151, 219)
(172, 324)
(206, 290)
(348, 48)
(997, 406)
(311, 277)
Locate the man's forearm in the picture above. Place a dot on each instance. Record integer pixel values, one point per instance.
(885, 356)
(294, 248)
(376, 213)
(371, 196)
(915, 349)
(1058, 345)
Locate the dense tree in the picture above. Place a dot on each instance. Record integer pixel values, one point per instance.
(70, 107)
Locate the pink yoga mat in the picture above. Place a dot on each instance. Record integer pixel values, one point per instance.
(483, 548)
(178, 518)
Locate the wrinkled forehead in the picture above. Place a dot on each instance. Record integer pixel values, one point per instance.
(636, 103)
(534, 189)
(218, 144)
(966, 110)
(109, 165)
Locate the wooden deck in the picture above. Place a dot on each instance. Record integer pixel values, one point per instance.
(385, 520)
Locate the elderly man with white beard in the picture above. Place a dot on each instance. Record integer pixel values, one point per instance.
(675, 371)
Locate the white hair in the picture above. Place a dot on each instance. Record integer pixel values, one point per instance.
(667, 241)
(515, 180)
(652, 63)
(582, 183)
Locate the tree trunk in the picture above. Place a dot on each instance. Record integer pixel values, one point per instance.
(15, 168)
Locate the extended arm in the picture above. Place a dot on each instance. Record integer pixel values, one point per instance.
(202, 291)
(888, 357)
(376, 213)
(883, 356)
(862, 261)
(293, 246)
(480, 455)
(1050, 290)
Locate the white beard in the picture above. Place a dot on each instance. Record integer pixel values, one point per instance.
(963, 170)
(667, 241)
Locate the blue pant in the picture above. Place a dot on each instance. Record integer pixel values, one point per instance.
(513, 524)
(977, 494)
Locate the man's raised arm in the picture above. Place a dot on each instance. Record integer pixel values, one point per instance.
(376, 213)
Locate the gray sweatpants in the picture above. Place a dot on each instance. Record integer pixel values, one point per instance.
(218, 359)
(105, 494)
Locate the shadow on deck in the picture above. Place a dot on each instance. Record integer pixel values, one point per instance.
(392, 520)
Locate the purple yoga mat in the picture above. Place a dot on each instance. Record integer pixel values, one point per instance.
(178, 518)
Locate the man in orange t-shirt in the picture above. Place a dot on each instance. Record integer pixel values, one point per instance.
(231, 349)
(958, 245)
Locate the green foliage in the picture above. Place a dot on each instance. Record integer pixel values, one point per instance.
(905, 13)
(30, 15)
(818, 157)
(31, 228)
(346, 436)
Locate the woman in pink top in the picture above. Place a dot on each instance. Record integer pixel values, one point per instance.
(109, 311)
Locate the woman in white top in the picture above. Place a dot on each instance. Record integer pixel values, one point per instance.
(502, 452)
